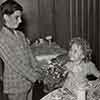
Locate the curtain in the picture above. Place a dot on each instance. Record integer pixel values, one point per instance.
(78, 18)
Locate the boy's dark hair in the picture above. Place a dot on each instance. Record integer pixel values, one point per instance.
(9, 7)
(87, 51)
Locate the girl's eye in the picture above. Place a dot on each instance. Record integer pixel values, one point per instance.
(17, 17)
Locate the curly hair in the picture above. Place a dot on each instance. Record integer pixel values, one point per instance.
(85, 46)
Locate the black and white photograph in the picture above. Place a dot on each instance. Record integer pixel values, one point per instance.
(49, 49)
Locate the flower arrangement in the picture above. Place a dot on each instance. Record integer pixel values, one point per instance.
(55, 73)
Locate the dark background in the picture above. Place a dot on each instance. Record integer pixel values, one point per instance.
(63, 19)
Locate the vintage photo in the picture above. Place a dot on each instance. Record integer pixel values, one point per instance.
(49, 50)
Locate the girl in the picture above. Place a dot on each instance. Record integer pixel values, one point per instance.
(77, 69)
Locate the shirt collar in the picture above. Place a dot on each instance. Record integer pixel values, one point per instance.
(8, 32)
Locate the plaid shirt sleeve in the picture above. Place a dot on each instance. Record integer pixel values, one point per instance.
(35, 64)
(17, 63)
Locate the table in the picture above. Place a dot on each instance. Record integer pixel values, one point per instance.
(47, 52)
(44, 53)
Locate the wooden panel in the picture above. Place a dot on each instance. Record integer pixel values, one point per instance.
(62, 22)
(45, 17)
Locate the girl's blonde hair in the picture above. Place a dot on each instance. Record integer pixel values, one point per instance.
(85, 46)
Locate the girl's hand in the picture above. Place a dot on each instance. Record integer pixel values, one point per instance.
(84, 86)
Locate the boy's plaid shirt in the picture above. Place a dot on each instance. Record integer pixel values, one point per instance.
(20, 66)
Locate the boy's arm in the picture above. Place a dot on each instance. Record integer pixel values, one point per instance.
(17, 65)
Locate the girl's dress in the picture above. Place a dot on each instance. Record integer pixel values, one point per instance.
(76, 79)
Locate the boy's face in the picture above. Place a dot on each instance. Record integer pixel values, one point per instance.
(76, 53)
(12, 21)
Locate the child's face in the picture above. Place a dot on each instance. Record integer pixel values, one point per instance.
(12, 21)
(76, 53)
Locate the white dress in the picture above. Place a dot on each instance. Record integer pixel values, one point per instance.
(60, 94)
(71, 84)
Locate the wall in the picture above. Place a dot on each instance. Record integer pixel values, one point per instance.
(30, 14)
(38, 17)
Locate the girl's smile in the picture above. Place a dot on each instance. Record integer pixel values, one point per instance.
(76, 53)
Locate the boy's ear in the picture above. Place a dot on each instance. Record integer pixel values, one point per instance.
(5, 17)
